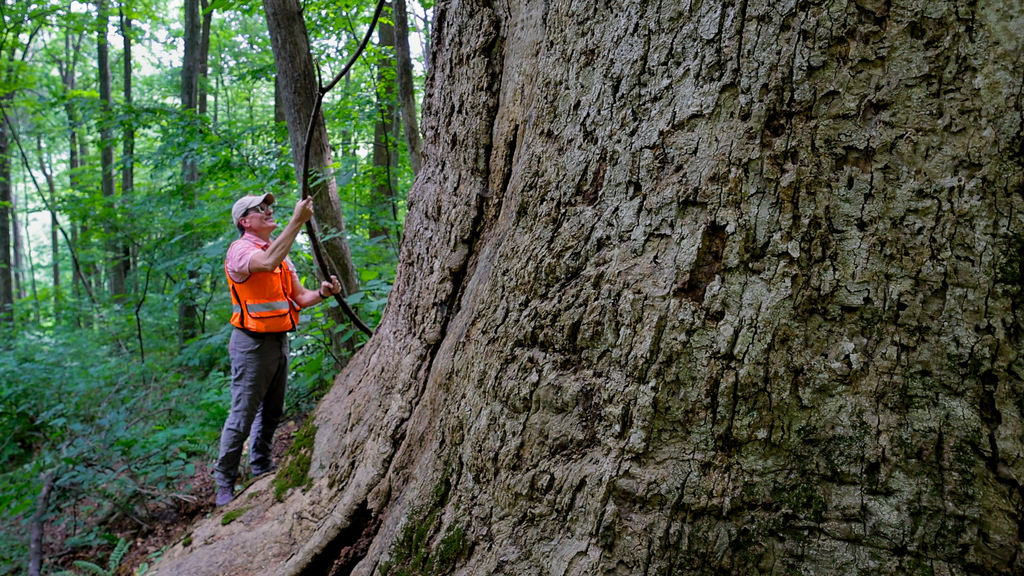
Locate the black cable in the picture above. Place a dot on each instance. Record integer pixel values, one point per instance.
(325, 267)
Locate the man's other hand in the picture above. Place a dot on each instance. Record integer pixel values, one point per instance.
(330, 288)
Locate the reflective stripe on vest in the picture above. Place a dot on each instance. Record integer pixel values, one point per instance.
(268, 306)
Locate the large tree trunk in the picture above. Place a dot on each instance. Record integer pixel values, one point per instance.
(297, 78)
(728, 291)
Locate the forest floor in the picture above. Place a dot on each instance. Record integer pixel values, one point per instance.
(166, 520)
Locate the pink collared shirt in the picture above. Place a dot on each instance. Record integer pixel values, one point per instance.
(241, 251)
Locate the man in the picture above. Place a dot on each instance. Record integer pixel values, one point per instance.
(266, 295)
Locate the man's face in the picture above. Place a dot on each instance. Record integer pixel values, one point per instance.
(259, 219)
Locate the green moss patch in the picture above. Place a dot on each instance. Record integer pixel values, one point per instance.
(412, 554)
(232, 516)
(295, 471)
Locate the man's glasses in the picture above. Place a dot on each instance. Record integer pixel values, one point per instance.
(261, 209)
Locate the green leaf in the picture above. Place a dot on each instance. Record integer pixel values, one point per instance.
(90, 568)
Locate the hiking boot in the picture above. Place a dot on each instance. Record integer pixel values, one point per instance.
(224, 495)
(260, 471)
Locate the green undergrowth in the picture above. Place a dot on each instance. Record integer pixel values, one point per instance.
(412, 553)
(113, 435)
(295, 471)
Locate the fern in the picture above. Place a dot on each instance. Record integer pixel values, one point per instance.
(89, 568)
(117, 555)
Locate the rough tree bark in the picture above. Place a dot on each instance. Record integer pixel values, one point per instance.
(709, 288)
(298, 81)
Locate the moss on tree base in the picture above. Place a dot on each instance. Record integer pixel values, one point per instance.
(295, 471)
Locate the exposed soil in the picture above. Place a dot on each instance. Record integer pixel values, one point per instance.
(164, 521)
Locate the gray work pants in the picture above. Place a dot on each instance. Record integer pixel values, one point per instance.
(259, 374)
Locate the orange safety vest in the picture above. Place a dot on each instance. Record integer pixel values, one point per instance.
(261, 302)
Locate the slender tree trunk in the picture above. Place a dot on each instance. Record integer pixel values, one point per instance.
(216, 98)
(188, 316)
(55, 254)
(385, 151)
(116, 262)
(77, 276)
(406, 89)
(46, 168)
(128, 138)
(128, 154)
(298, 82)
(18, 244)
(71, 52)
(204, 54)
(425, 38)
(89, 273)
(192, 65)
(6, 263)
(223, 86)
(349, 160)
(30, 271)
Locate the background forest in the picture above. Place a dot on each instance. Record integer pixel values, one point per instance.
(115, 192)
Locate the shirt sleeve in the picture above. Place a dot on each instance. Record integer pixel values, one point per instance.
(237, 259)
(296, 283)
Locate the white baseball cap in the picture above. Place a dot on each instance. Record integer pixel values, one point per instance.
(246, 202)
